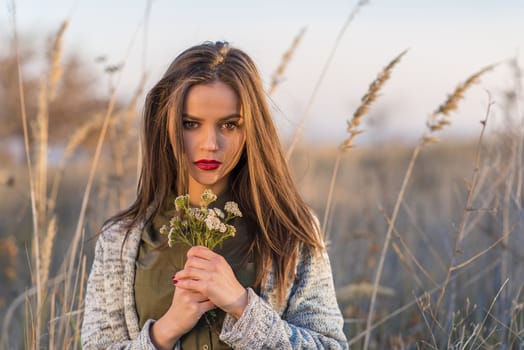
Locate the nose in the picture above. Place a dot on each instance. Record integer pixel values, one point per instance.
(210, 140)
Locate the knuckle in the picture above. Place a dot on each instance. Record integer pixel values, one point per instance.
(186, 298)
(194, 285)
(190, 252)
(217, 259)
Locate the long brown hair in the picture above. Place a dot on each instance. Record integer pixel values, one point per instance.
(261, 182)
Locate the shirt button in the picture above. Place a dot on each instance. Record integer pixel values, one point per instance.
(205, 347)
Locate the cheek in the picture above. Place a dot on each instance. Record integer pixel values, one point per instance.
(187, 141)
(237, 143)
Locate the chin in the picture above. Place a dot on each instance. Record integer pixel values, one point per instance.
(207, 182)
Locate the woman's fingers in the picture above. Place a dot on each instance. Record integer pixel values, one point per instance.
(202, 252)
(190, 273)
(209, 273)
(198, 263)
(201, 258)
(191, 285)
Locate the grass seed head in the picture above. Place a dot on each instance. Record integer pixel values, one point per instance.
(55, 72)
(366, 101)
(286, 58)
(440, 117)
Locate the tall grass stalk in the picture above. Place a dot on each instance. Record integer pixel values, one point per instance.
(409, 305)
(353, 130)
(276, 78)
(436, 122)
(327, 63)
(70, 261)
(47, 220)
(474, 340)
(470, 190)
(517, 90)
(513, 182)
(407, 263)
(19, 300)
(58, 295)
(422, 307)
(120, 135)
(411, 255)
(35, 188)
(52, 311)
(71, 290)
(94, 165)
(387, 239)
(422, 235)
(76, 139)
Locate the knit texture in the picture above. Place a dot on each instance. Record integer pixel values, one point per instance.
(310, 319)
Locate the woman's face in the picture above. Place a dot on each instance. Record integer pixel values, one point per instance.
(214, 136)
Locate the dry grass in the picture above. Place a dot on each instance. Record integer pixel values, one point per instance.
(451, 280)
(55, 72)
(352, 129)
(59, 298)
(370, 97)
(449, 105)
(440, 117)
(286, 59)
(298, 131)
(44, 221)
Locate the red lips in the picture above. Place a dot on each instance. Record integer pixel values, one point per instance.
(207, 164)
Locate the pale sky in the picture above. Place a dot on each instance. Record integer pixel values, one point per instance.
(447, 41)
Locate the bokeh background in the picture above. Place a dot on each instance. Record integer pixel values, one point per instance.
(450, 267)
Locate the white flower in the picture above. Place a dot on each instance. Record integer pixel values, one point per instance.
(212, 222)
(197, 214)
(219, 213)
(182, 202)
(232, 207)
(207, 197)
(203, 225)
(231, 230)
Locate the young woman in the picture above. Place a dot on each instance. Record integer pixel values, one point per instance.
(207, 126)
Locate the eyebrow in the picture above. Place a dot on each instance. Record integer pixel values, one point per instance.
(231, 116)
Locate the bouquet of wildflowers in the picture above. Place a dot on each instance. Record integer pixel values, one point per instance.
(201, 226)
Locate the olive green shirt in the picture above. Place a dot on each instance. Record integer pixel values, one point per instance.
(156, 263)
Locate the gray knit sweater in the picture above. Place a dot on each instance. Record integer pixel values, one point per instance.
(310, 319)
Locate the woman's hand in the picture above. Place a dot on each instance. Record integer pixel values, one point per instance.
(209, 274)
(186, 309)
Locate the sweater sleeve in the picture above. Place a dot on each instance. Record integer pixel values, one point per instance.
(97, 330)
(312, 319)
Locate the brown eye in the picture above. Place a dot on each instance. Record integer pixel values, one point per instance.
(188, 124)
(229, 125)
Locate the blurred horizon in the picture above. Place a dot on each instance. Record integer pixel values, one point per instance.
(447, 41)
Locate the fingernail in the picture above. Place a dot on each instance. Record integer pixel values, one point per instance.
(175, 281)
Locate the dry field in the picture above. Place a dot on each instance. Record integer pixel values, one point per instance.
(426, 240)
